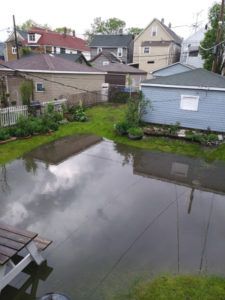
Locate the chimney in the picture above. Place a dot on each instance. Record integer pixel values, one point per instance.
(121, 31)
(170, 25)
(74, 34)
(162, 20)
(65, 31)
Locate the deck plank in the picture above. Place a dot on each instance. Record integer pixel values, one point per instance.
(11, 244)
(15, 237)
(3, 259)
(18, 231)
(7, 251)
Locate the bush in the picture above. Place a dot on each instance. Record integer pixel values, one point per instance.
(63, 122)
(122, 127)
(135, 131)
(174, 127)
(26, 91)
(4, 134)
(212, 137)
(80, 114)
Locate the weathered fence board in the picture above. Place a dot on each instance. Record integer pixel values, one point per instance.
(9, 115)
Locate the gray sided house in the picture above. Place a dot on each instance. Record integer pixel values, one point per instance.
(121, 45)
(104, 58)
(175, 68)
(194, 98)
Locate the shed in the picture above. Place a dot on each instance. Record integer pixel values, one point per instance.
(195, 98)
(172, 69)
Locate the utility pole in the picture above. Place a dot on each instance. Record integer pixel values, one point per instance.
(14, 27)
(218, 37)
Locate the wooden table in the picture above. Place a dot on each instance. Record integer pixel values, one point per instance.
(12, 241)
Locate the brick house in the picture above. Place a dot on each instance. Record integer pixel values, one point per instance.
(42, 40)
(53, 77)
(10, 51)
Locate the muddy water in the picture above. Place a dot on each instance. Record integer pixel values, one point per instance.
(115, 214)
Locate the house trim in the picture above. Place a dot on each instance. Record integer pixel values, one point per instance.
(185, 87)
(54, 72)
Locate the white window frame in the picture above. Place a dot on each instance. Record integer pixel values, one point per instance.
(148, 50)
(154, 30)
(33, 39)
(36, 89)
(99, 50)
(14, 50)
(187, 106)
(105, 63)
(120, 52)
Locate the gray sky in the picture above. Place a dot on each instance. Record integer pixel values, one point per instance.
(79, 15)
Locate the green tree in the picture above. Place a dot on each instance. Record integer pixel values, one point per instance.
(61, 30)
(210, 39)
(29, 24)
(134, 30)
(26, 91)
(109, 26)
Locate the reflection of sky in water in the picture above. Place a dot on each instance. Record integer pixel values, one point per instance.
(109, 220)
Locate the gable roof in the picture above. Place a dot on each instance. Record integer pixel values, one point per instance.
(171, 33)
(120, 68)
(20, 33)
(175, 64)
(108, 55)
(197, 78)
(48, 63)
(111, 40)
(56, 39)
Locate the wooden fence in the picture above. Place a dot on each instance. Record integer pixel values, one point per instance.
(9, 115)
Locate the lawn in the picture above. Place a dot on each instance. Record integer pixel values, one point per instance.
(185, 287)
(101, 120)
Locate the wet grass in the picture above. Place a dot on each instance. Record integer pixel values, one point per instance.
(182, 287)
(101, 120)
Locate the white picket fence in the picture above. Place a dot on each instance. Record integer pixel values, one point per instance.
(9, 115)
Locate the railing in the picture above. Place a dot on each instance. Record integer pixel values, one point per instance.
(9, 115)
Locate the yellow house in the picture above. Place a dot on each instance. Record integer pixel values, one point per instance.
(157, 46)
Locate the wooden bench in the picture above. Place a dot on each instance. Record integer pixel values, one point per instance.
(12, 241)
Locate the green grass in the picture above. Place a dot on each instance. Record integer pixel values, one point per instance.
(182, 287)
(101, 120)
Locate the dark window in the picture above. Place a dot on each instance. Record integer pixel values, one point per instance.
(151, 62)
(39, 87)
(193, 53)
(62, 50)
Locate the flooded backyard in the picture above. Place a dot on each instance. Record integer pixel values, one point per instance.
(115, 213)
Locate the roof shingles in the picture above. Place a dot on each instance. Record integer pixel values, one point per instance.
(116, 40)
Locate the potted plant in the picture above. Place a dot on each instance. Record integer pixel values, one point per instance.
(135, 133)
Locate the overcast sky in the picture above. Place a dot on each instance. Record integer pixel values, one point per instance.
(79, 15)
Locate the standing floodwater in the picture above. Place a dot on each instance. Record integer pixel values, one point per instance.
(115, 214)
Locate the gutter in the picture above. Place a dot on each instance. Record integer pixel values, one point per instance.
(184, 87)
(52, 72)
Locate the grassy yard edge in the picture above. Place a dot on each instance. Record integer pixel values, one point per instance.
(101, 121)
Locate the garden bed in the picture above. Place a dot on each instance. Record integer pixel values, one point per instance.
(207, 138)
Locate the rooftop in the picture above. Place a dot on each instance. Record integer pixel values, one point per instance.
(110, 40)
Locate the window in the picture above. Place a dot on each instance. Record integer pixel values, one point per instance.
(189, 102)
(14, 50)
(62, 50)
(154, 30)
(151, 62)
(193, 53)
(32, 37)
(120, 52)
(99, 50)
(40, 87)
(105, 63)
(146, 50)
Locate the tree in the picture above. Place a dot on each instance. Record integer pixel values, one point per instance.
(110, 26)
(29, 24)
(134, 30)
(210, 39)
(61, 30)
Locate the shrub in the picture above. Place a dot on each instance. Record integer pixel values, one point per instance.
(4, 134)
(80, 114)
(26, 91)
(122, 127)
(212, 137)
(135, 131)
(63, 122)
(174, 127)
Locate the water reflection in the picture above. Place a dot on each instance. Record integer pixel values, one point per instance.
(116, 212)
